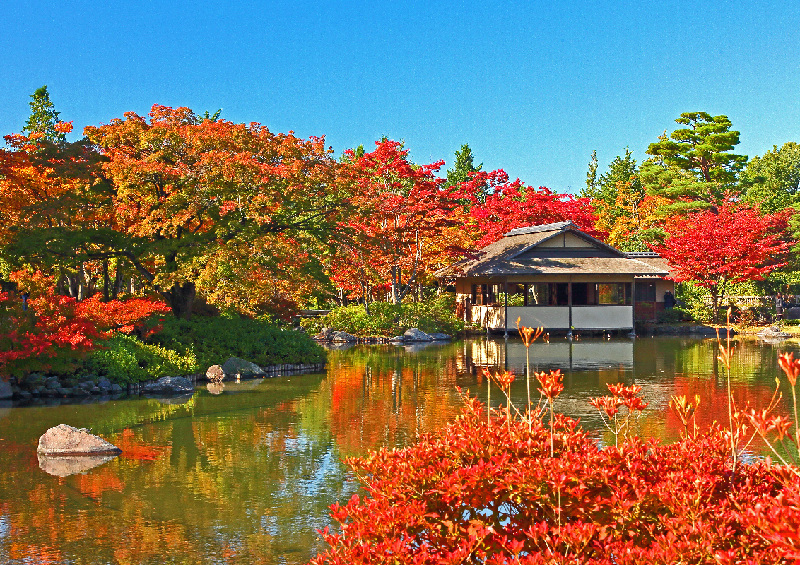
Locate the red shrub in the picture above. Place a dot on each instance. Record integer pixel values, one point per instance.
(491, 493)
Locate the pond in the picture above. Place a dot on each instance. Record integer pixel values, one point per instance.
(247, 476)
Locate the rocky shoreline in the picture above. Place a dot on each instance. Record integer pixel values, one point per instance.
(37, 386)
(412, 335)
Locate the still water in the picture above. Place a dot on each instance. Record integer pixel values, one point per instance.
(246, 476)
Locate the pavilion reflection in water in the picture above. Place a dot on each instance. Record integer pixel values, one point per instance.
(567, 355)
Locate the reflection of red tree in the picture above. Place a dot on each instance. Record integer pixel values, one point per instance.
(369, 407)
(97, 482)
(135, 449)
(714, 399)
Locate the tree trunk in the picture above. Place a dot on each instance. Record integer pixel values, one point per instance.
(106, 282)
(181, 299)
(119, 280)
(396, 275)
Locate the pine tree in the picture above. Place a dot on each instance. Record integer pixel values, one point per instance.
(43, 118)
(463, 167)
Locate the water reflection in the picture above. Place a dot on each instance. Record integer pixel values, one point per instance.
(64, 465)
(246, 476)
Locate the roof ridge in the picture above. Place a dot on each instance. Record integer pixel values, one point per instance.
(555, 226)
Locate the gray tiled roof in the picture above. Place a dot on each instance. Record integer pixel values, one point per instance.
(500, 258)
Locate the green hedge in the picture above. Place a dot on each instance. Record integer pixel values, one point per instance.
(212, 340)
(388, 319)
(125, 359)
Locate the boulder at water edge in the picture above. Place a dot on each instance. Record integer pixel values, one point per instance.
(415, 334)
(235, 366)
(440, 337)
(343, 337)
(5, 390)
(66, 440)
(169, 385)
(215, 374)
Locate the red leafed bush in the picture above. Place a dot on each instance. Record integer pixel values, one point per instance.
(490, 492)
(55, 330)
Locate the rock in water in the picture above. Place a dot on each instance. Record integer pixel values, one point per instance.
(66, 440)
(235, 366)
(169, 385)
(415, 334)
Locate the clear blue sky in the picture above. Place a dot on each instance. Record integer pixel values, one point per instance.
(532, 86)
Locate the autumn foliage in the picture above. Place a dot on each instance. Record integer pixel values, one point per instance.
(56, 330)
(726, 244)
(490, 492)
(498, 205)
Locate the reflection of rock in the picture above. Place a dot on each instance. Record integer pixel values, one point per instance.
(417, 347)
(339, 346)
(64, 466)
(235, 366)
(66, 440)
(173, 400)
(169, 385)
(5, 390)
(215, 388)
(215, 374)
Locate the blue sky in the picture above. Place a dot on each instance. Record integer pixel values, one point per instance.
(533, 87)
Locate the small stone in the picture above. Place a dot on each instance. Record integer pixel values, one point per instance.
(440, 337)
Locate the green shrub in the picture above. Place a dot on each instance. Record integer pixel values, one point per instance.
(125, 359)
(436, 314)
(674, 315)
(214, 339)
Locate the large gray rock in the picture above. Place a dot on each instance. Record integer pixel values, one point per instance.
(169, 385)
(414, 334)
(440, 337)
(66, 440)
(324, 335)
(64, 466)
(5, 390)
(342, 337)
(235, 366)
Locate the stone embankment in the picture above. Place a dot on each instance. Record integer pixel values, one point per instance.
(412, 335)
(40, 386)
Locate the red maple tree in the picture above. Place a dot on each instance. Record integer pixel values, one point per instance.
(726, 244)
(497, 206)
(403, 224)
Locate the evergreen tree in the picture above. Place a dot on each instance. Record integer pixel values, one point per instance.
(772, 182)
(43, 118)
(464, 165)
(694, 168)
